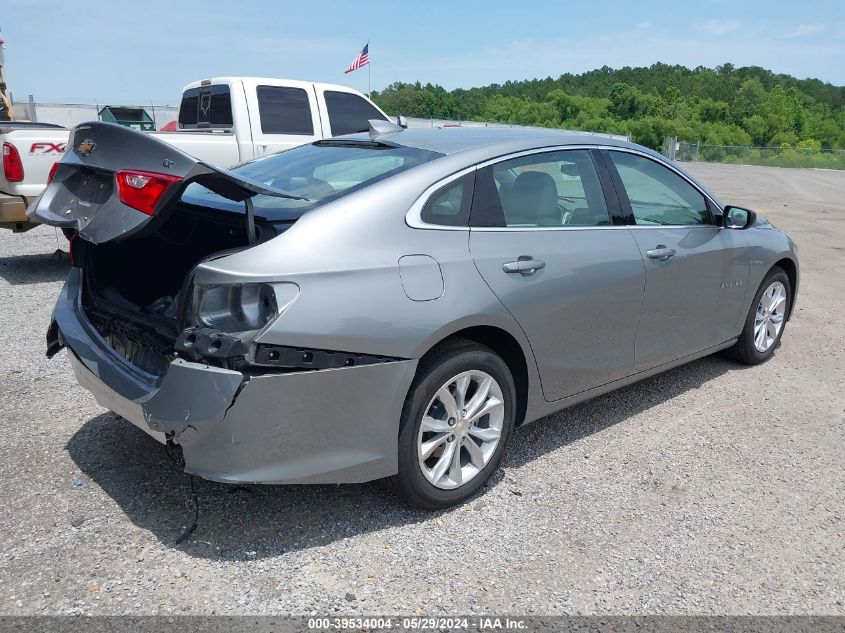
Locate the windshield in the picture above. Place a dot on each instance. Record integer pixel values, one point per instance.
(321, 172)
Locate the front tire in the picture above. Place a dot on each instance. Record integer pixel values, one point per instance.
(766, 320)
(456, 422)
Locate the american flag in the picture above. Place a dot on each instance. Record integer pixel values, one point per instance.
(362, 60)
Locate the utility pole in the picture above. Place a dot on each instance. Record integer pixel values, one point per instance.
(5, 103)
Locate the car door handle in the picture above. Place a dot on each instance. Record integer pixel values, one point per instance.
(660, 253)
(526, 265)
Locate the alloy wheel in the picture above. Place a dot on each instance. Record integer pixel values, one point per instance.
(460, 429)
(768, 321)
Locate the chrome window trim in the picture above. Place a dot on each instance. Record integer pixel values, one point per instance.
(492, 229)
(413, 217)
(495, 229)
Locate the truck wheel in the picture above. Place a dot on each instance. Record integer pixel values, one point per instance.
(456, 422)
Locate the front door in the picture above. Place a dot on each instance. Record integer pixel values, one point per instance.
(696, 271)
(545, 242)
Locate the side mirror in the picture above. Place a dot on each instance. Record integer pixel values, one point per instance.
(738, 218)
(402, 122)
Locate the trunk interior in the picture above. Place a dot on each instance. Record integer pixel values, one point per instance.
(133, 287)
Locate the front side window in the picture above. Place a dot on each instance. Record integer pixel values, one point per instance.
(553, 189)
(284, 110)
(349, 113)
(659, 196)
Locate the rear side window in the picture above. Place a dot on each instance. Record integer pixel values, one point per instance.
(209, 106)
(450, 205)
(549, 190)
(349, 113)
(284, 110)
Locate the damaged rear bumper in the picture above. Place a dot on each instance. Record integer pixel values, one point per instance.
(326, 426)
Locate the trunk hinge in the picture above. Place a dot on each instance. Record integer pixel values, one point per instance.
(250, 220)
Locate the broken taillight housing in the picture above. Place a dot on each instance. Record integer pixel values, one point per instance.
(12, 165)
(237, 308)
(142, 190)
(241, 307)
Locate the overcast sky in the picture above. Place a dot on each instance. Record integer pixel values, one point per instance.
(144, 52)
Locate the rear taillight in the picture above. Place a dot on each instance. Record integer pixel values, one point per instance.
(52, 173)
(142, 190)
(12, 165)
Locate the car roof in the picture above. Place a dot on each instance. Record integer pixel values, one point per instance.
(452, 140)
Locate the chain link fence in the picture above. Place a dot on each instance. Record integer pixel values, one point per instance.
(749, 155)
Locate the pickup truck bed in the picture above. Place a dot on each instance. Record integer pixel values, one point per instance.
(217, 147)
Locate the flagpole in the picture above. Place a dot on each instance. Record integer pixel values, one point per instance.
(369, 72)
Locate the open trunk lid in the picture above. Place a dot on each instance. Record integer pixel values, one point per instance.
(88, 190)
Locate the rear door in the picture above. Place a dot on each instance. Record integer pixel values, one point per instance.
(556, 253)
(696, 272)
(282, 116)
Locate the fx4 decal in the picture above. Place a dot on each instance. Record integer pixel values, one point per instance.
(47, 148)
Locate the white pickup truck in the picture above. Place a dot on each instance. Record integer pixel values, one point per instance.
(222, 121)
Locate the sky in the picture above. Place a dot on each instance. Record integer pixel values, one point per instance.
(144, 52)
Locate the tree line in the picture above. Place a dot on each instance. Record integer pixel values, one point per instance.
(720, 106)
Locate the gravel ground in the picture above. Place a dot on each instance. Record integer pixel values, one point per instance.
(710, 489)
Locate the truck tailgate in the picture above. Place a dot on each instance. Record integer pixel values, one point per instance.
(39, 149)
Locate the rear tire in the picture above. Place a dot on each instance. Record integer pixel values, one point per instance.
(456, 422)
(766, 320)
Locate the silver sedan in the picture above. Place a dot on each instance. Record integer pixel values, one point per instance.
(394, 304)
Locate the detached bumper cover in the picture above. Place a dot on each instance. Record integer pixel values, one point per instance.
(327, 426)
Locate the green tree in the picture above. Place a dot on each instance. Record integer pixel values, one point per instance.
(625, 101)
(566, 105)
(722, 106)
(749, 99)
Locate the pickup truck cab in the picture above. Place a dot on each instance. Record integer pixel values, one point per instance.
(228, 120)
(222, 121)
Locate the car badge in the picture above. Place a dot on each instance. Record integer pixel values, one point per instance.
(86, 147)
